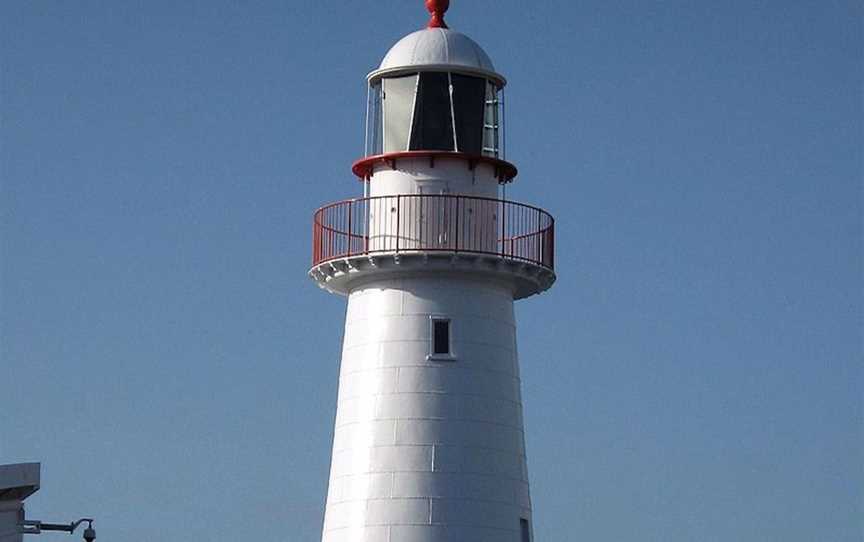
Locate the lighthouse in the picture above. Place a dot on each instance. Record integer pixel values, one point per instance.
(429, 441)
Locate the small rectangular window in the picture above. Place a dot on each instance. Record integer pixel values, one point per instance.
(441, 337)
(526, 530)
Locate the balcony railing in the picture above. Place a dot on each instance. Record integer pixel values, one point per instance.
(420, 223)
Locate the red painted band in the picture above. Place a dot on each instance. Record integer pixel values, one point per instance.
(504, 171)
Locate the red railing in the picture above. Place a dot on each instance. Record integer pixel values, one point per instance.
(433, 223)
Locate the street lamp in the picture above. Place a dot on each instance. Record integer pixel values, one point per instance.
(36, 527)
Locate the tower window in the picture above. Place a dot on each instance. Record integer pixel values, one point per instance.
(440, 337)
(526, 530)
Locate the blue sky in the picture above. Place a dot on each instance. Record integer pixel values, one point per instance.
(695, 374)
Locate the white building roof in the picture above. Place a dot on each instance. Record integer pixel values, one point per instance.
(437, 49)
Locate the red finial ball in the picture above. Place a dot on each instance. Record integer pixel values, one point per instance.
(437, 8)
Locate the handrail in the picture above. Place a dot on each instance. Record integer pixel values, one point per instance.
(412, 223)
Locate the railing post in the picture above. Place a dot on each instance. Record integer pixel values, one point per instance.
(539, 247)
(332, 241)
(350, 231)
(366, 206)
(503, 222)
(456, 248)
(398, 222)
(314, 241)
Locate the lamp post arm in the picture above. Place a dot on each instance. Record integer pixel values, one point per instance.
(36, 527)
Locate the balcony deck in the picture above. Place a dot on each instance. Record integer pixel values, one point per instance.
(496, 235)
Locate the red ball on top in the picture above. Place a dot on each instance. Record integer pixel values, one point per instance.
(437, 8)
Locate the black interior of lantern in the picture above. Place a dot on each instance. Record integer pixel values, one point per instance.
(434, 113)
(432, 129)
(469, 104)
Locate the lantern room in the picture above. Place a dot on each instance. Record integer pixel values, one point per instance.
(436, 90)
(436, 94)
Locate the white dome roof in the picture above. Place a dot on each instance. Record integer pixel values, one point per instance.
(437, 48)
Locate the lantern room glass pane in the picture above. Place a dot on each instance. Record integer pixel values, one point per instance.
(432, 129)
(373, 120)
(491, 126)
(397, 104)
(469, 102)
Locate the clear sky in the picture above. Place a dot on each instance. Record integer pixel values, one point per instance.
(694, 375)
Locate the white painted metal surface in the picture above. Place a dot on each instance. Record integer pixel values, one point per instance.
(17, 482)
(342, 276)
(428, 449)
(433, 48)
(447, 176)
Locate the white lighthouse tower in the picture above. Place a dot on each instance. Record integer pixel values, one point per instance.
(429, 441)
